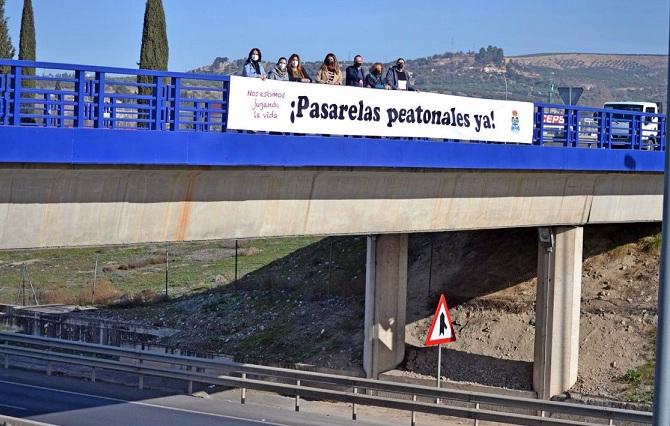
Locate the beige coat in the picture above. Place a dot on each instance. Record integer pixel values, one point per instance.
(328, 77)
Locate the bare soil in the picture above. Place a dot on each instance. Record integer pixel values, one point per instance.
(308, 307)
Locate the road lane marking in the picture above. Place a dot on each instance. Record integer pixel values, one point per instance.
(144, 404)
(13, 407)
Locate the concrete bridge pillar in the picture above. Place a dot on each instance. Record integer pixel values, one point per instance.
(557, 311)
(385, 303)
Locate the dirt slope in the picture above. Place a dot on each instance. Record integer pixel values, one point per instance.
(304, 308)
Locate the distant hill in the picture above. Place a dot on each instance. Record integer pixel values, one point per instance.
(604, 77)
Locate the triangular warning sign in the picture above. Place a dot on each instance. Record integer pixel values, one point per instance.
(441, 330)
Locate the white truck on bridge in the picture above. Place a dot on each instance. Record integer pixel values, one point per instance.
(620, 124)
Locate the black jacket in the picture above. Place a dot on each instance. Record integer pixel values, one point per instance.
(352, 76)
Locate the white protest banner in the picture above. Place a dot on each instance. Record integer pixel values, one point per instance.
(318, 108)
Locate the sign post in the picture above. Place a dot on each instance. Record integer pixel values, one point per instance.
(441, 331)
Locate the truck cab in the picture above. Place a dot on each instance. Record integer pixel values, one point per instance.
(624, 125)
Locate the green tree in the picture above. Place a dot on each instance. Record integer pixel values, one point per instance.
(27, 44)
(154, 52)
(7, 50)
(490, 56)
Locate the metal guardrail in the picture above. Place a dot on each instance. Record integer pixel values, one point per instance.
(85, 96)
(13, 421)
(301, 384)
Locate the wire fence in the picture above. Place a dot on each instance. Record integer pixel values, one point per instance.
(141, 274)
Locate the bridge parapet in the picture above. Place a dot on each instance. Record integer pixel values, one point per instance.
(76, 97)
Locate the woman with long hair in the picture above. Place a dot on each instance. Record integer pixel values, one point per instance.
(296, 72)
(375, 79)
(330, 72)
(279, 71)
(253, 67)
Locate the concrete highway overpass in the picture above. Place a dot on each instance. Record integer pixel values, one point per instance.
(77, 168)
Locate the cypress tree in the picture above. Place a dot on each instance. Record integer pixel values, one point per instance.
(6, 49)
(27, 44)
(154, 52)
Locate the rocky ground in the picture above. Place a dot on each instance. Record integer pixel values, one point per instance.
(308, 307)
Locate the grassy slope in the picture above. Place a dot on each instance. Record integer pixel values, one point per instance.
(66, 276)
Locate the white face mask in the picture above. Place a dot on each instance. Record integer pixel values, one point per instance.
(294, 63)
(282, 67)
(254, 57)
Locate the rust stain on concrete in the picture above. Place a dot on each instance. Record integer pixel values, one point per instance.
(167, 218)
(186, 207)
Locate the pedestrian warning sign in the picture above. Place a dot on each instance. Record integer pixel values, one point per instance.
(441, 330)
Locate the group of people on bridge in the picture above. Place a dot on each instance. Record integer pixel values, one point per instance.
(396, 78)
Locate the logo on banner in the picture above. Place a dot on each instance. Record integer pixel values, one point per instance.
(515, 122)
(441, 330)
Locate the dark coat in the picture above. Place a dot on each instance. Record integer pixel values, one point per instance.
(352, 76)
(392, 79)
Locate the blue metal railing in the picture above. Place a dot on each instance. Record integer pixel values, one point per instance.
(78, 96)
(572, 126)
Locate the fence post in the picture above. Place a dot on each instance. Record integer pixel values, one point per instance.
(16, 89)
(140, 382)
(243, 396)
(167, 268)
(95, 277)
(601, 129)
(608, 129)
(4, 96)
(539, 125)
(576, 130)
(235, 260)
(23, 284)
(80, 98)
(297, 397)
(413, 412)
(353, 405)
(157, 110)
(226, 101)
(175, 97)
(100, 100)
(208, 116)
(638, 131)
(567, 125)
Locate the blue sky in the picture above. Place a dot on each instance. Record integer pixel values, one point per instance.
(104, 32)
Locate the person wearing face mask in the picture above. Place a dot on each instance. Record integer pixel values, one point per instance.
(296, 72)
(397, 76)
(330, 72)
(253, 66)
(278, 72)
(375, 78)
(354, 73)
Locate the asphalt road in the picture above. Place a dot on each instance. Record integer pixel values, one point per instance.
(66, 401)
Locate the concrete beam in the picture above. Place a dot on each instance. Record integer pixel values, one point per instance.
(49, 206)
(557, 312)
(385, 303)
